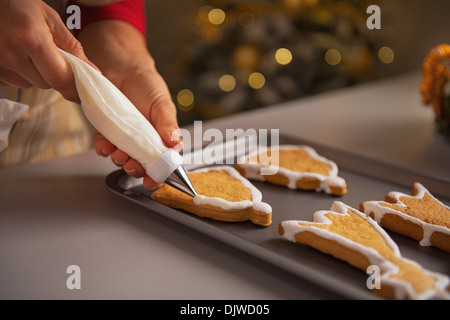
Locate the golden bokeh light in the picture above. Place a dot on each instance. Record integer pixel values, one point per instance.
(216, 16)
(227, 83)
(256, 80)
(386, 55)
(333, 57)
(185, 99)
(283, 56)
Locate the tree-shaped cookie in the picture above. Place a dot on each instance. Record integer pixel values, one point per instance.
(223, 194)
(293, 166)
(351, 236)
(419, 216)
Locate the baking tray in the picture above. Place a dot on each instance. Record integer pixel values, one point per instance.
(366, 179)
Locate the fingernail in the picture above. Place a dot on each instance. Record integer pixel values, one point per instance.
(118, 162)
(179, 147)
(131, 172)
(176, 136)
(116, 159)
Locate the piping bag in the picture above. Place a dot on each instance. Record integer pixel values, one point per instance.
(118, 120)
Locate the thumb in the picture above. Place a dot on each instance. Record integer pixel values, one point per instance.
(164, 119)
(65, 40)
(49, 61)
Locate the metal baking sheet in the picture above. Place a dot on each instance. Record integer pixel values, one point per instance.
(366, 180)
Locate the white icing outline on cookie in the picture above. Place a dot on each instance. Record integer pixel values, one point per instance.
(402, 289)
(291, 228)
(255, 203)
(252, 170)
(428, 228)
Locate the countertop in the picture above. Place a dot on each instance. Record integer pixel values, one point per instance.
(58, 213)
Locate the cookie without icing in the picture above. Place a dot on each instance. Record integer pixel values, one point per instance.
(299, 167)
(419, 216)
(223, 194)
(351, 236)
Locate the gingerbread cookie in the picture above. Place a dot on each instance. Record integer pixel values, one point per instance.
(223, 194)
(419, 216)
(297, 167)
(351, 236)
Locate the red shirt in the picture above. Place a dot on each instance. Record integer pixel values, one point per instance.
(131, 11)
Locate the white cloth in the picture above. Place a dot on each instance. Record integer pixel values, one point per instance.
(10, 112)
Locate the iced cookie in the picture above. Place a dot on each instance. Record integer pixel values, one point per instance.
(351, 236)
(223, 194)
(297, 167)
(419, 216)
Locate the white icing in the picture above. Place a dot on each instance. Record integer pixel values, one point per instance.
(252, 170)
(262, 207)
(292, 228)
(428, 228)
(255, 203)
(402, 289)
(119, 121)
(327, 183)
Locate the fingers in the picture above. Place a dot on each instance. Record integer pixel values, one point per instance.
(133, 168)
(11, 78)
(129, 165)
(48, 61)
(149, 183)
(105, 148)
(101, 145)
(56, 73)
(24, 76)
(119, 157)
(53, 68)
(30, 35)
(64, 40)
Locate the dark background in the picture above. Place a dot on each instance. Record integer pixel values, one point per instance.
(188, 61)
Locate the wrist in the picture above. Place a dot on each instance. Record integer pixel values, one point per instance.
(116, 48)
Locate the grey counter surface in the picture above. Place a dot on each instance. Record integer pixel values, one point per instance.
(58, 213)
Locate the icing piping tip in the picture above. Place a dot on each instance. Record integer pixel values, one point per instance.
(180, 180)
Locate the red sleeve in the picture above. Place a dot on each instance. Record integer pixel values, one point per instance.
(131, 11)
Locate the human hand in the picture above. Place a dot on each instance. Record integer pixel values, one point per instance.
(30, 34)
(119, 50)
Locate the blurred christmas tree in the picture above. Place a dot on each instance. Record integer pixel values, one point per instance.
(244, 54)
